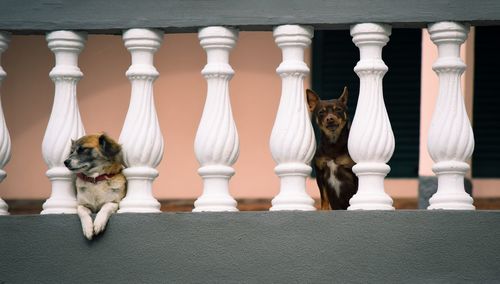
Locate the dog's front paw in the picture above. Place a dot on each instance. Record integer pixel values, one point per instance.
(100, 223)
(88, 229)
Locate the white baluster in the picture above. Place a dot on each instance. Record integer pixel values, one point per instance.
(371, 140)
(4, 132)
(65, 122)
(141, 137)
(292, 138)
(217, 145)
(451, 141)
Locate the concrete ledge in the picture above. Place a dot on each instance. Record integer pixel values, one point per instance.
(112, 16)
(256, 247)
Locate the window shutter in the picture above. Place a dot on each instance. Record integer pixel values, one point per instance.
(334, 57)
(486, 117)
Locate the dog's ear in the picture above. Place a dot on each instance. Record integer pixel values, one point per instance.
(312, 99)
(345, 95)
(108, 146)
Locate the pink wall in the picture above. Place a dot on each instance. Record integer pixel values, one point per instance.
(104, 92)
(103, 96)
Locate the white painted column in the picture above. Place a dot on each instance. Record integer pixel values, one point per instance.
(292, 138)
(451, 141)
(141, 138)
(4, 132)
(217, 145)
(65, 122)
(371, 140)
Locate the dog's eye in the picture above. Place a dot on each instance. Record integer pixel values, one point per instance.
(81, 150)
(321, 112)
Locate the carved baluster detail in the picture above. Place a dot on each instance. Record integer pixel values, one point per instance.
(292, 138)
(217, 144)
(65, 122)
(141, 138)
(371, 140)
(4, 132)
(451, 140)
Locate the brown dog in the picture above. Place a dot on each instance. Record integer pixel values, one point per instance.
(97, 161)
(332, 163)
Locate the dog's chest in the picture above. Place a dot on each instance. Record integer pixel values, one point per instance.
(333, 181)
(93, 196)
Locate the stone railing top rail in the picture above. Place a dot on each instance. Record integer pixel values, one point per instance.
(113, 16)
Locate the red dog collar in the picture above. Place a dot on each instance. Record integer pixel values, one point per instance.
(96, 179)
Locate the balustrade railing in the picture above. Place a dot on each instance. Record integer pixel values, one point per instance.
(141, 137)
(292, 139)
(65, 123)
(451, 140)
(216, 144)
(371, 141)
(292, 143)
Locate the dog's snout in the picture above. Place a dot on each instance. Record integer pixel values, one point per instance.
(67, 163)
(329, 118)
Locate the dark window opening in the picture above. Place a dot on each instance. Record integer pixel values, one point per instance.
(486, 116)
(333, 59)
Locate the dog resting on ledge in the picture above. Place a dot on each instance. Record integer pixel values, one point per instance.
(332, 163)
(100, 185)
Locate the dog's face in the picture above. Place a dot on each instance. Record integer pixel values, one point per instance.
(92, 154)
(330, 115)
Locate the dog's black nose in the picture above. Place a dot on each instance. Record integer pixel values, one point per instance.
(67, 163)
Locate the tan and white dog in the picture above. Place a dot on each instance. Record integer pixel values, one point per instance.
(97, 161)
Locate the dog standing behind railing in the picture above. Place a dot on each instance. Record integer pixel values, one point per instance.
(332, 163)
(97, 161)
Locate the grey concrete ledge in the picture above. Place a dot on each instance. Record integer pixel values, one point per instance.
(256, 247)
(112, 16)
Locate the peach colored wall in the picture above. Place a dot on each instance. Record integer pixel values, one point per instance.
(104, 92)
(429, 87)
(103, 96)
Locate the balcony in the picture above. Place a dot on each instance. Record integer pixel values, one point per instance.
(370, 243)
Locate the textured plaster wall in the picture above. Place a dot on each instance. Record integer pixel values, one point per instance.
(436, 246)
